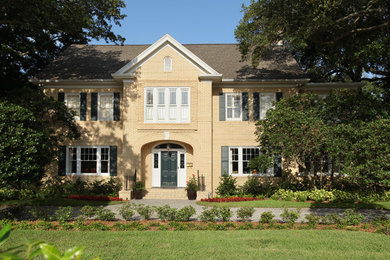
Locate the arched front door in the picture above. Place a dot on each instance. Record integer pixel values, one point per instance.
(168, 166)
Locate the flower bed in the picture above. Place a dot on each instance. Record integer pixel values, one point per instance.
(230, 199)
(93, 197)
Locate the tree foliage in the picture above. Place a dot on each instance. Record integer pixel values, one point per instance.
(331, 40)
(346, 134)
(35, 32)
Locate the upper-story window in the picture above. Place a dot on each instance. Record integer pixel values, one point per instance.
(72, 101)
(106, 106)
(233, 106)
(167, 105)
(267, 101)
(167, 64)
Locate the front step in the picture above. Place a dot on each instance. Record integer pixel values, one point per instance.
(158, 193)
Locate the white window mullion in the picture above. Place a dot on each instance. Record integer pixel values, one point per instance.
(240, 168)
(78, 160)
(98, 160)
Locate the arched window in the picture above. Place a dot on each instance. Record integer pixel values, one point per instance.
(167, 64)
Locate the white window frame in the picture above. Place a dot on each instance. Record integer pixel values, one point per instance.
(269, 172)
(66, 103)
(167, 112)
(98, 159)
(263, 112)
(227, 95)
(111, 118)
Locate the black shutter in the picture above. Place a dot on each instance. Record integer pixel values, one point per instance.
(62, 161)
(279, 96)
(245, 107)
(94, 106)
(224, 160)
(113, 160)
(116, 106)
(278, 166)
(256, 106)
(83, 106)
(61, 96)
(222, 115)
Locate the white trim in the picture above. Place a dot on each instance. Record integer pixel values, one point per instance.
(181, 172)
(270, 171)
(166, 107)
(166, 40)
(226, 107)
(82, 86)
(98, 161)
(167, 64)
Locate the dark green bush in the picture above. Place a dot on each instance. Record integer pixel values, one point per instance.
(127, 211)
(227, 186)
(64, 214)
(267, 217)
(88, 211)
(245, 213)
(290, 216)
(105, 214)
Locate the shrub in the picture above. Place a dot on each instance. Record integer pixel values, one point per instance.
(332, 219)
(283, 194)
(290, 216)
(301, 195)
(41, 213)
(166, 213)
(312, 220)
(245, 213)
(8, 194)
(253, 186)
(345, 196)
(98, 226)
(267, 217)
(88, 211)
(227, 186)
(145, 211)
(44, 225)
(225, 214)
(380, 221)
(126, 211)
(320, 195)
(105, 214)
(352, 218)
(184, 214)
(209, 215)
(64, 214)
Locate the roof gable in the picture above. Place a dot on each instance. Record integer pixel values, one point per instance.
(128, 70)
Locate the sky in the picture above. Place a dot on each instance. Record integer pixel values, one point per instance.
(188, 21)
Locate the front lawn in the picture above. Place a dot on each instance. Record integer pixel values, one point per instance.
(252, 244)
(295, 204)
(57, 202)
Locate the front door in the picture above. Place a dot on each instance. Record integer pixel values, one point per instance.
(168, 169)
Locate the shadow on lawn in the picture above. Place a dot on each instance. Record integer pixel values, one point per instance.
(345, 205)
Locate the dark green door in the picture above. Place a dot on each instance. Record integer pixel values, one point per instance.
(168, 169)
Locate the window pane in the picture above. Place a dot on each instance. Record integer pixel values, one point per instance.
(172, 96)
(161, 96)
(229, 100)
(167, 64)
(235, 167)
(104, 167)
(237, 112)
(88, 160)
(184, 97)
(88, 166)
(73, 103)
(149, 97)
(266, 103)
(182, 161)
(229, 113)
(106, 107)
(155, 160)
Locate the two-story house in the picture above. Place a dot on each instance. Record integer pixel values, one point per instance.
(167, 111)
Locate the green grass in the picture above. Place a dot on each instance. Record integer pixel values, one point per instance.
(57, 202)
(296, 204)
(252, 244)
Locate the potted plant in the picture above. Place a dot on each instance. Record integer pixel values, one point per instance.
(138, 190)
(192, 187)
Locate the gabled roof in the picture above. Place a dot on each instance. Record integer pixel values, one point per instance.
(166, 40)
(83, 62)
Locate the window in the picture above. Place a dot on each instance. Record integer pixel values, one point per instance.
(106, 106)
(167, 64)
(88, 160)
(267, 101)
(72, 101)
(239, 158)
(233, 106)
(155, 160)
(167, 105)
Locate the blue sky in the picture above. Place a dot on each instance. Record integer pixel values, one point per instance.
(188, 21)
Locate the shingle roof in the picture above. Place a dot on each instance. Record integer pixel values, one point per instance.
(81, 62)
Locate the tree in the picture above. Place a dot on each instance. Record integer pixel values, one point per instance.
(331, 40)
(336, 135)
(33, 33)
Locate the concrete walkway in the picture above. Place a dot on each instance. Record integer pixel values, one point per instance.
(368, 213)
